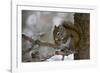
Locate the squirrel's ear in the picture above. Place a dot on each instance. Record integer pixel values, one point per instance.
(55, 26)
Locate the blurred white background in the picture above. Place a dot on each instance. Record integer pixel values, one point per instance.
(5, 38)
